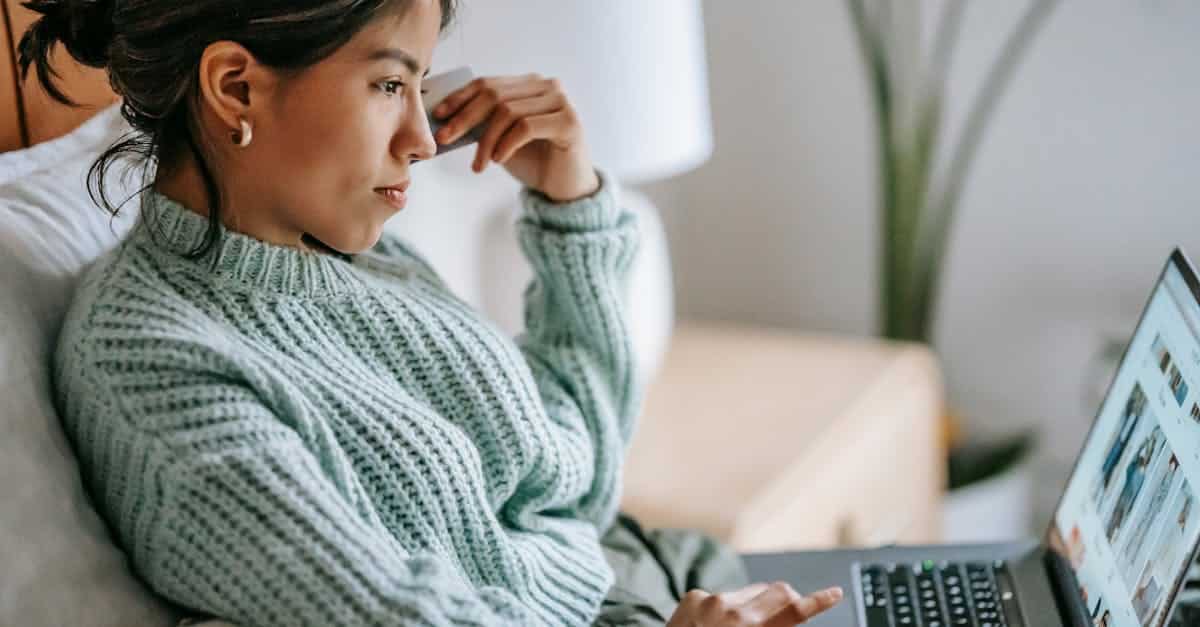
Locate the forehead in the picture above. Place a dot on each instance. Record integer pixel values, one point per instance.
(414, 26)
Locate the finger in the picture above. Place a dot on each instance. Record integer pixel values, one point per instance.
(724, 608)
(473, 103)
(556, 127)
(801, 608)
(505, 115)
(769, 603)
(480, 107)
(452, 101)
(742, 595)
(738, 608)
(689, 605)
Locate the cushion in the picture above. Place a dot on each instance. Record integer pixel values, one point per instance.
(61, 566)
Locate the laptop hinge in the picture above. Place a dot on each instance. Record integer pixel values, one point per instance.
(1066, 590)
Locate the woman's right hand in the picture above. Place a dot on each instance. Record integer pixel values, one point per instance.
(756, 605)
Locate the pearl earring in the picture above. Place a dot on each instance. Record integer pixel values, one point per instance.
(242, 139)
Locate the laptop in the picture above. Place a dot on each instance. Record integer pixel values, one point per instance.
(1124, 534)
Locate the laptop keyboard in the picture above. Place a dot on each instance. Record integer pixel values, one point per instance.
(938, 594)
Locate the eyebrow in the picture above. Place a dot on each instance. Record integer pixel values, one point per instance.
(402, 56)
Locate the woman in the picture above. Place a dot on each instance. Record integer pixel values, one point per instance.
(283, 413)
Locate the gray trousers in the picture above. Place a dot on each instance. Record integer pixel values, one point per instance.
(655, 568)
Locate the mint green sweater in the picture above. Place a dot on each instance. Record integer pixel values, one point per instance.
(295, 439)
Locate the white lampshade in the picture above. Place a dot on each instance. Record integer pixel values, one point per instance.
(635, 71)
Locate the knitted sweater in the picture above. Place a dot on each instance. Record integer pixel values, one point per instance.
(298, 439)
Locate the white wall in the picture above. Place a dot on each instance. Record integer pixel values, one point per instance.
(1089, 174)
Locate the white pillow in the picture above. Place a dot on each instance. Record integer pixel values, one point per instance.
(60, 564)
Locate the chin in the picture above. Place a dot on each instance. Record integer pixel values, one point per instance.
(344, 245)
(364, 244)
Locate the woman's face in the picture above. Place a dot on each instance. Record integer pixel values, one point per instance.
(346, 127)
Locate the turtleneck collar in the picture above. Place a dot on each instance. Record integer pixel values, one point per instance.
(242, 260)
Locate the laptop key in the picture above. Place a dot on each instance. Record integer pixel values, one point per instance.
(875, 597)
(931, 603)
(902, 600)
(1006, 591)
(924, 594)
(878, 617)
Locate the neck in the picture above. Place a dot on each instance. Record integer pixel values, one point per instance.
(185, 185)
(236, 260)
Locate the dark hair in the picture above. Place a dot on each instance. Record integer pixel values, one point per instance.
(151, 50)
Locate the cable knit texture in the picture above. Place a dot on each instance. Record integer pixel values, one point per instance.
(297, 439)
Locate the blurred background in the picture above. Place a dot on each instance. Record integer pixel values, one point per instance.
(1085, 180)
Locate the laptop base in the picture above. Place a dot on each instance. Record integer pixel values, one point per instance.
(807, 571)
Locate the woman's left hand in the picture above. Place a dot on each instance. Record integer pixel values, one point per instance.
(532, 130)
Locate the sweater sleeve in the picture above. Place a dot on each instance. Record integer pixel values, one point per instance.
(224, 510)
(576, 338)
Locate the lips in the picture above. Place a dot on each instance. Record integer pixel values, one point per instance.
(395, 194)
(402, 185)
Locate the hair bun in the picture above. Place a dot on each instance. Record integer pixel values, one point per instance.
(84, 27)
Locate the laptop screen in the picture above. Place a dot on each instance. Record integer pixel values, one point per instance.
(1129, 520)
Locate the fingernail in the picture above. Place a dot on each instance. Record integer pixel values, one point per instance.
(440, 109)
(835, 593)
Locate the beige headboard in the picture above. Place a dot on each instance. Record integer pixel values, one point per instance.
(29, 116)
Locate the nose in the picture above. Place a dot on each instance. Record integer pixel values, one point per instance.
(415, 140)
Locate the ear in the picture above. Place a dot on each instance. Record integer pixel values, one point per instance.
(233, 84)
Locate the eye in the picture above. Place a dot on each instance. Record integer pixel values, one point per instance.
(391, 87)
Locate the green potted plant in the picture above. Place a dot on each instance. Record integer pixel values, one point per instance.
(919, 190)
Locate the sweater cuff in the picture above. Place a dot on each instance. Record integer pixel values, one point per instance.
(596, 211)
